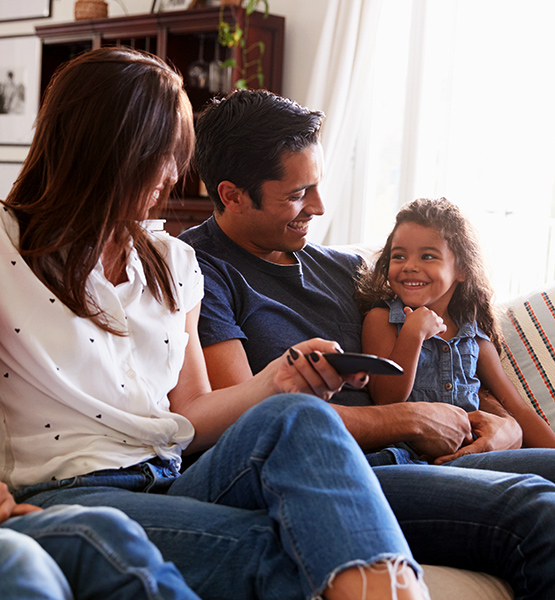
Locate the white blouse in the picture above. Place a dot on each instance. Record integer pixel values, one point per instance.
(74, 398)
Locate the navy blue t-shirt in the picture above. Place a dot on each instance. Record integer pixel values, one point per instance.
(271, 307)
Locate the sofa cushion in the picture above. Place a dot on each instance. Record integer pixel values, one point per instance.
(458, 584)
(528, 327)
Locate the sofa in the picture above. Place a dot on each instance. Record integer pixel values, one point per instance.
(528, 330)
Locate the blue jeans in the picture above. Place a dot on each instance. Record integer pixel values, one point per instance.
(27, 572)
(292, 475)
(73, 552)
(283, 501)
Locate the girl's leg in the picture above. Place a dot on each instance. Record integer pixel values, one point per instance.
(103, 554)
(293, 456)
(27, 572)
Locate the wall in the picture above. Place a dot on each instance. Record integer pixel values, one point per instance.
(303, 23)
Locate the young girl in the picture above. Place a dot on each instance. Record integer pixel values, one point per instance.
(428, 307)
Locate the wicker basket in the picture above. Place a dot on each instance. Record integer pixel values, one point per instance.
(90, 9)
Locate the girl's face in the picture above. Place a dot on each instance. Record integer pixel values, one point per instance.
(422, 269)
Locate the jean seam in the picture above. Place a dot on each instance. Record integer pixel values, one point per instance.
(225, 490)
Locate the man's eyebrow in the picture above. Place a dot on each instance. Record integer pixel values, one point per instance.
(302, 187)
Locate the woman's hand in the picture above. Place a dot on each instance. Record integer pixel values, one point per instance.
(8, 506)
(303, 369)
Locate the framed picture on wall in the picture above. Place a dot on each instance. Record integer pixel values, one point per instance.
(168, 5)
(19, 88)
(29, 9)
(8, 174)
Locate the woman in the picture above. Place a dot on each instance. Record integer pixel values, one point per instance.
(100, 397)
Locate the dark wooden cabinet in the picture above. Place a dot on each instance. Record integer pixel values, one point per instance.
(175, 36)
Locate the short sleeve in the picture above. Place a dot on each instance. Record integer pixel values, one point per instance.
(185, 269)
(218, 318)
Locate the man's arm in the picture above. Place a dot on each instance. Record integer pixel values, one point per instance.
(227, 363)
(433, 429)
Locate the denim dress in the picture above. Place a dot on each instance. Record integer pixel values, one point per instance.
(446, 368)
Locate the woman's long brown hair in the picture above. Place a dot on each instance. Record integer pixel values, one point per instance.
(110, 122)
(472, 299)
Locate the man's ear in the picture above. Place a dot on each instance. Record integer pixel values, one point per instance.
(231, 196)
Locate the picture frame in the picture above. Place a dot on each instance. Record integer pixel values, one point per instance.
(20, 58)
(9, 170)
(30, 9)
(171, 5)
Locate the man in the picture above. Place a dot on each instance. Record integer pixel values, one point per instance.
(267, 289)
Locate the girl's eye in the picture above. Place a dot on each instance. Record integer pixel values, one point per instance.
(428, 257)
(397, 256)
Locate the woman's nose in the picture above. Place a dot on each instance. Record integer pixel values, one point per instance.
(171, 172)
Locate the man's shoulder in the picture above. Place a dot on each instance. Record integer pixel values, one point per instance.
(198, 236)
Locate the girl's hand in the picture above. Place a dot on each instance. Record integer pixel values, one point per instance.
(302, 369)
(424, 320)
(8, 506)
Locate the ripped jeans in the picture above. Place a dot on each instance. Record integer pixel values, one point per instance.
(285, 500)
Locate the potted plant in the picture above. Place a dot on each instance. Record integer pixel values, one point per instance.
(233, 36)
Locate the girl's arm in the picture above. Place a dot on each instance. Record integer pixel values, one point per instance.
(536, 433)
(379, 337)
(212, 412)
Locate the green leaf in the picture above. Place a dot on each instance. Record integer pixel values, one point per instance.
(241, 84)
(230, 62)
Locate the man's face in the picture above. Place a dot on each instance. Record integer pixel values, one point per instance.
(281, 225)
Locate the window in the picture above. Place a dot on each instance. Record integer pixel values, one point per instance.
(464, 107)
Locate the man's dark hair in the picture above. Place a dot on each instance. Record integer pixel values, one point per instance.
(242, 138)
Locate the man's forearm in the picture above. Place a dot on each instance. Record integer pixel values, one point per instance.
(433, 429)
(375, 427)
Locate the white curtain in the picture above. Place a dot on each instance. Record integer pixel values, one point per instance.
(339, 86)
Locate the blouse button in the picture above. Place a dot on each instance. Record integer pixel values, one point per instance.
(445, 348)
(131, 374)
(448, 386)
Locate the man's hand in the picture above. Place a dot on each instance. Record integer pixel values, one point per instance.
(494, 432)
(440, 428)
(8, 506)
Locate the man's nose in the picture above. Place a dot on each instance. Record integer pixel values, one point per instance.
(315, 204)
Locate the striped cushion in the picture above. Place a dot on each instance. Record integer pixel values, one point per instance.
(528, 327)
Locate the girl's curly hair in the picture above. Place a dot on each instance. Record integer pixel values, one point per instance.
(472, 299)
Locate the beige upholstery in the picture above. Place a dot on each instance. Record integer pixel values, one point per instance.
(446, 583)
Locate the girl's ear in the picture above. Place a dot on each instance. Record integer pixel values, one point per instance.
(460, 276)
(232, 197)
